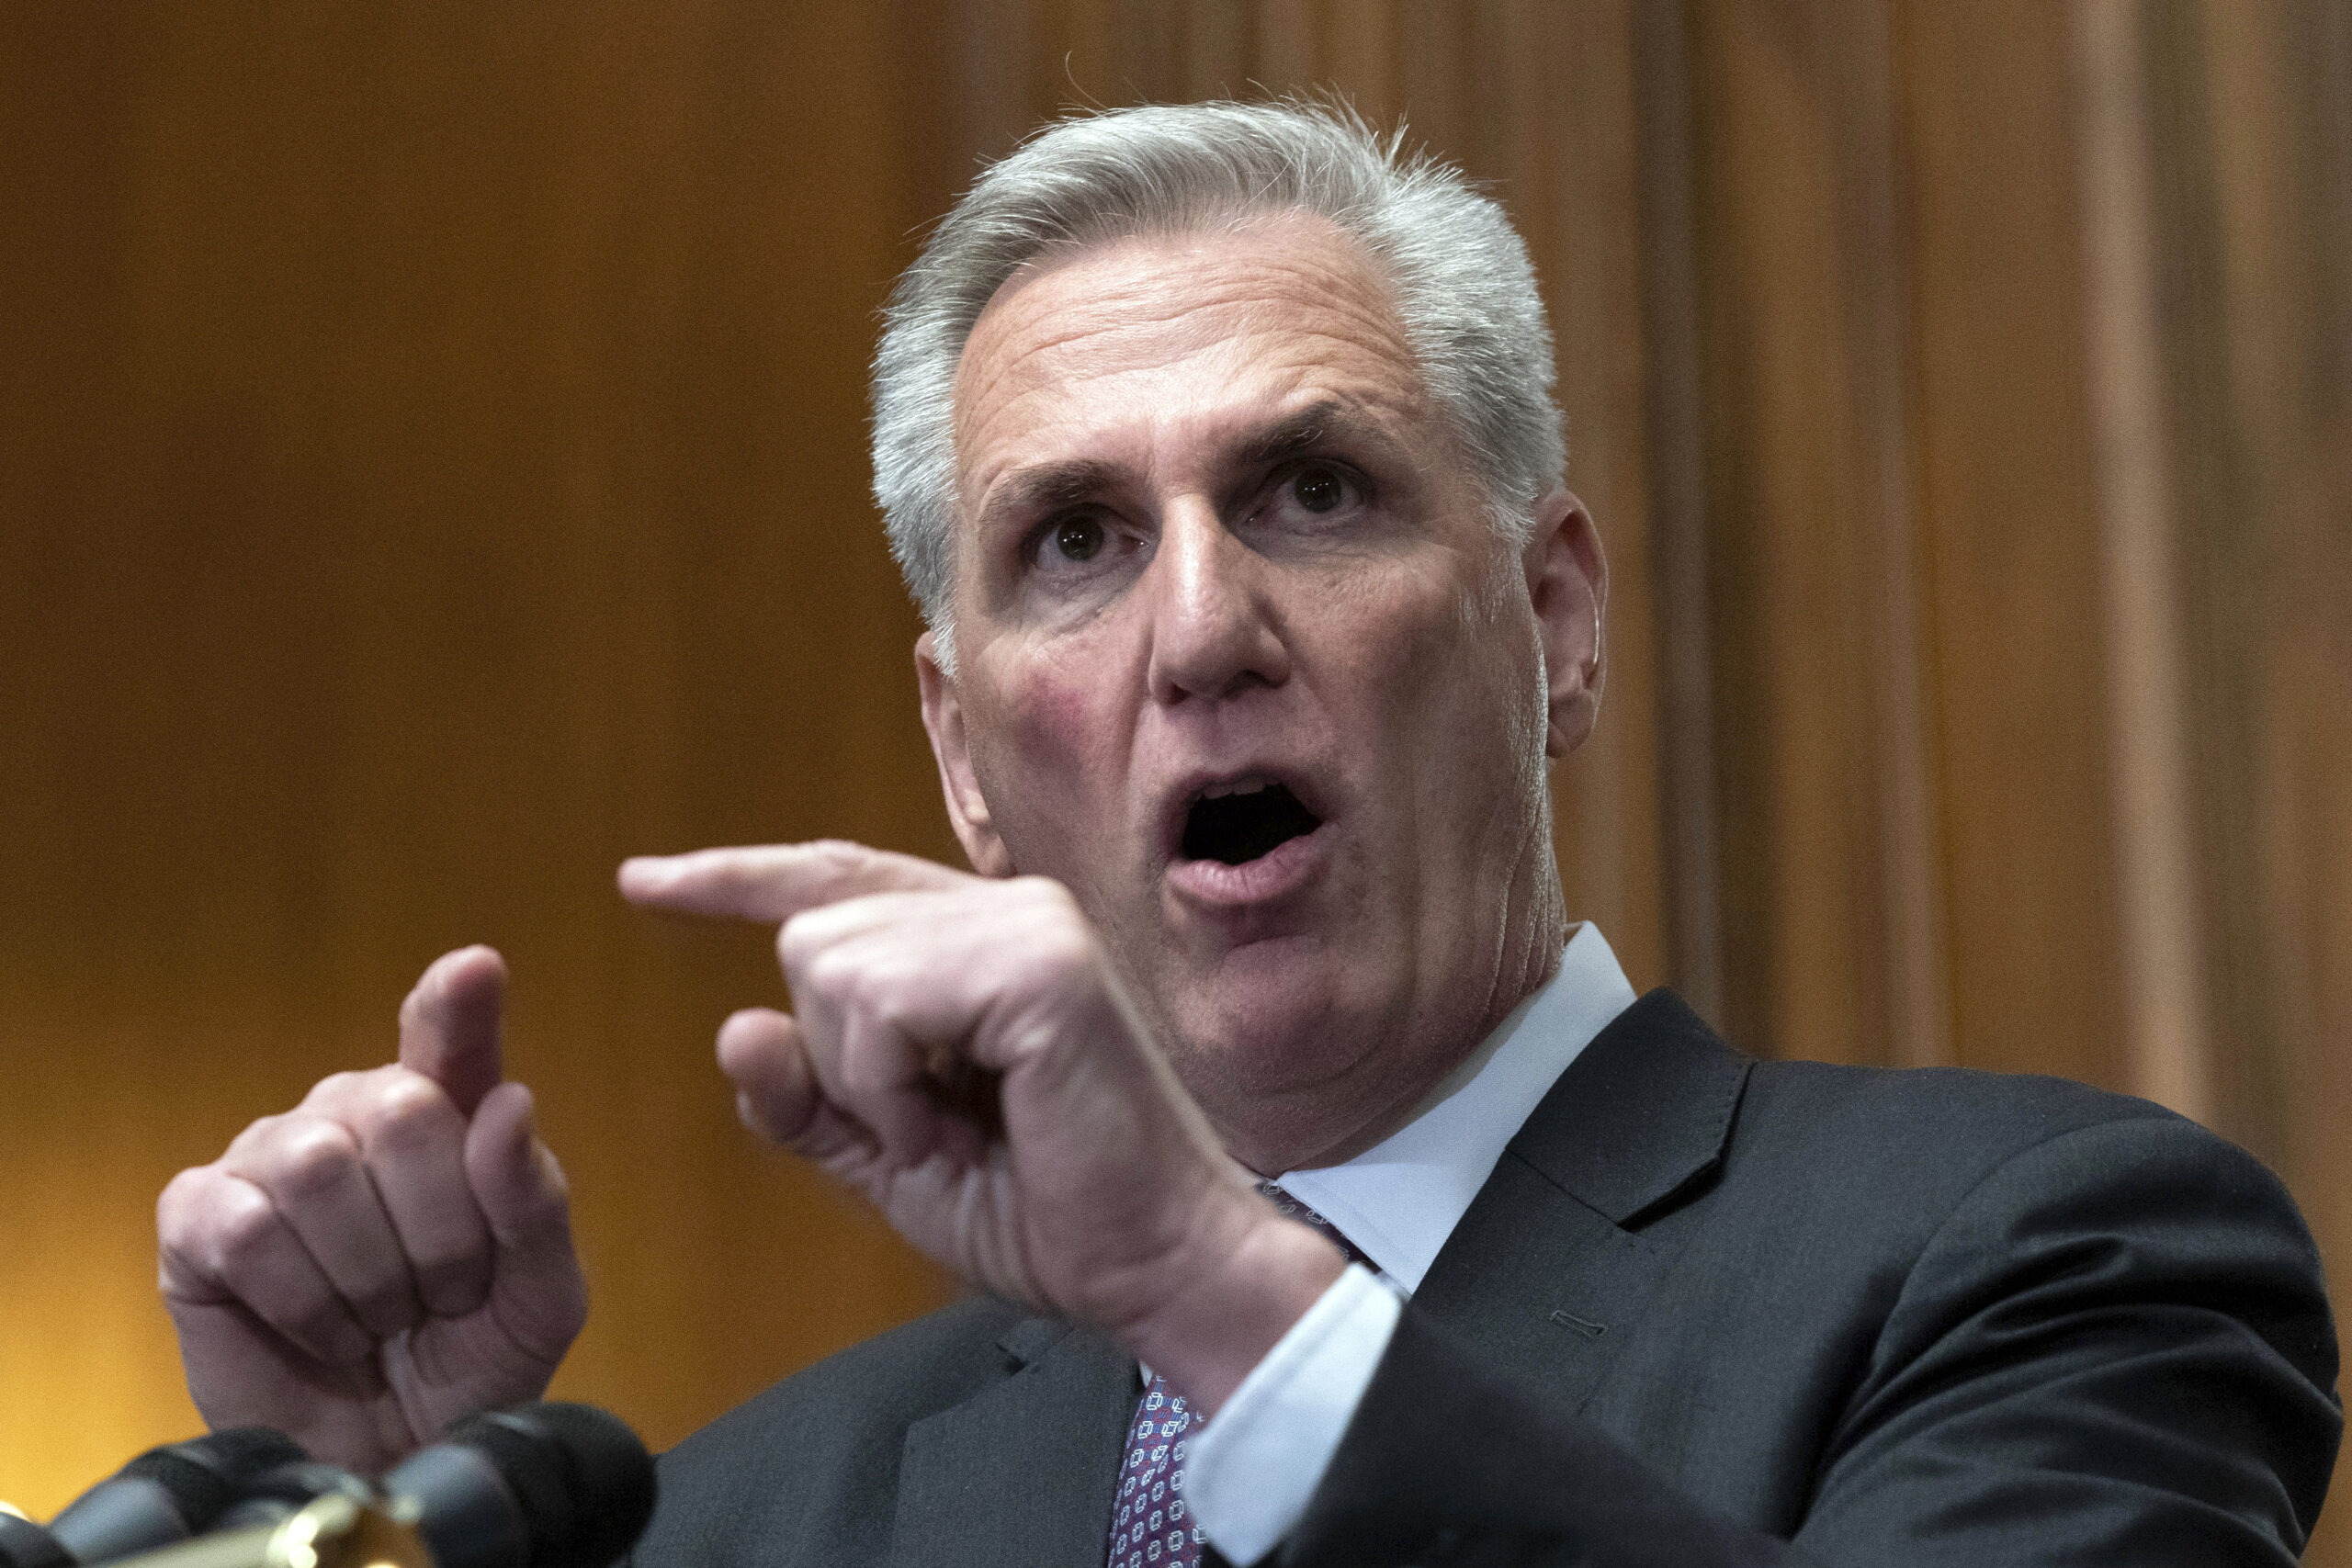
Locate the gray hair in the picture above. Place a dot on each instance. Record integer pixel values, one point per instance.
(1464, 290)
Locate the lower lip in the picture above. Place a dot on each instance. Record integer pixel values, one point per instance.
(1277, 873)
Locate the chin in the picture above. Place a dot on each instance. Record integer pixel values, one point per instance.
(1270, 1020)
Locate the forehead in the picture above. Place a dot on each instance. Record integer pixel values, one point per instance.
(1143, 347)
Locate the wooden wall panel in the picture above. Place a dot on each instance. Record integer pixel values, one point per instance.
(2251, 133)
(2007, 520)
(432, 466)
(2052, 304)
(1832, 902)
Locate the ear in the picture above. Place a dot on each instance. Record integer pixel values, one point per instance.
(967, 810)
(1567, 583)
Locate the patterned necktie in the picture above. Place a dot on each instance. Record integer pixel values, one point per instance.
(1151, 1527)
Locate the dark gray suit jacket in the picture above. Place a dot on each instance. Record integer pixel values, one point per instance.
(1707, 1311)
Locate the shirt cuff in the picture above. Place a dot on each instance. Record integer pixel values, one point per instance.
(1254, 1466)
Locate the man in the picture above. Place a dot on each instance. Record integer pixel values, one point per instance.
(1218, 445)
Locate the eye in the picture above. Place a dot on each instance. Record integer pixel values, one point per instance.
(1317, 495)
(1319, 488)
(1077, 538)
(1075, 541)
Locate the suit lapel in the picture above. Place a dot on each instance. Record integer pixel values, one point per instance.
(1548, 1275)
(1545, 1277)
(1022, 1474)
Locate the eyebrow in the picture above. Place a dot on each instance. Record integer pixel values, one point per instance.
(1046, 486)
(1305, 431)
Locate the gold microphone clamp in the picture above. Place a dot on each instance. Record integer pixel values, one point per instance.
(332, 1531)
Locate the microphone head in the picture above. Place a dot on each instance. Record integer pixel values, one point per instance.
(168, 1493)
(580, 1480)
(276, 1495)
(205, 1475)
(24, 1544)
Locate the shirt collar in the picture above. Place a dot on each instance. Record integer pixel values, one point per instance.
(1399, 1200)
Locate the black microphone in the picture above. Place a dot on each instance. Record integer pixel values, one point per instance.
(24, 1544)
(167, 1493)
(275, 1496)
(541, 1486)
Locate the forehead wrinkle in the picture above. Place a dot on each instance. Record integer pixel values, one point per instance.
(1309, 313)
(1349, 382)
(1137, 297)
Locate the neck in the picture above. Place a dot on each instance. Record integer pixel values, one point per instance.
(1333, 1122)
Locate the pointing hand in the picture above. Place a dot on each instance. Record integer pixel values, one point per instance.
(963, 1053)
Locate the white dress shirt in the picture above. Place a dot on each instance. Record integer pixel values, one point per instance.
(1251, 1471)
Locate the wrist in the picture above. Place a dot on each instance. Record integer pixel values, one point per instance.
(1253, 1275)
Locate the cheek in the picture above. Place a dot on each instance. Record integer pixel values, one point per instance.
(1443, 655)
(1452, 674)
(1047, 757)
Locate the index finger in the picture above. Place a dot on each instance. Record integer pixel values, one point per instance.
(776, 882)
(449, 1024)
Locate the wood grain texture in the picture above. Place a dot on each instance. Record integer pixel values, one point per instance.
(2160, 925)
(2006, 520)
(2251, 116)
(435, 470)
(1824, 763)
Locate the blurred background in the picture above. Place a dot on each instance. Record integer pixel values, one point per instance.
(432, 467)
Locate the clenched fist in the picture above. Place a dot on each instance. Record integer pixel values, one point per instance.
(963, 1053)
(393, 1253)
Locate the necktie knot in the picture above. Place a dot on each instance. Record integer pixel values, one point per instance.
(1290, 1208)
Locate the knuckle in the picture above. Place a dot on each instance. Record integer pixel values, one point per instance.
(337, 1091)
(403, 1112)
(184, 1204)
(255, 1137)
(796, 941)
(309, 1157)
(838, 860)
(1046, 894)
(239, 1233)
(834, 971)
(1051, 910)
(888, 1003)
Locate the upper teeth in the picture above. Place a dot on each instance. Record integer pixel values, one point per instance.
(1235, 786)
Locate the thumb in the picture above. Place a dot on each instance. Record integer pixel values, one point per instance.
(536, 1279)
(449, 1024)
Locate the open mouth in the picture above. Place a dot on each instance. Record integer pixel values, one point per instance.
(1236, 824)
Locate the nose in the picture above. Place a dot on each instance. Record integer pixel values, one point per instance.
(1213, 631)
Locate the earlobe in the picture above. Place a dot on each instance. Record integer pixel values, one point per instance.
(967, 808)
(1567, 585)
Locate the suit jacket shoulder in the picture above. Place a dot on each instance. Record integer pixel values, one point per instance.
(1737, 1304)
